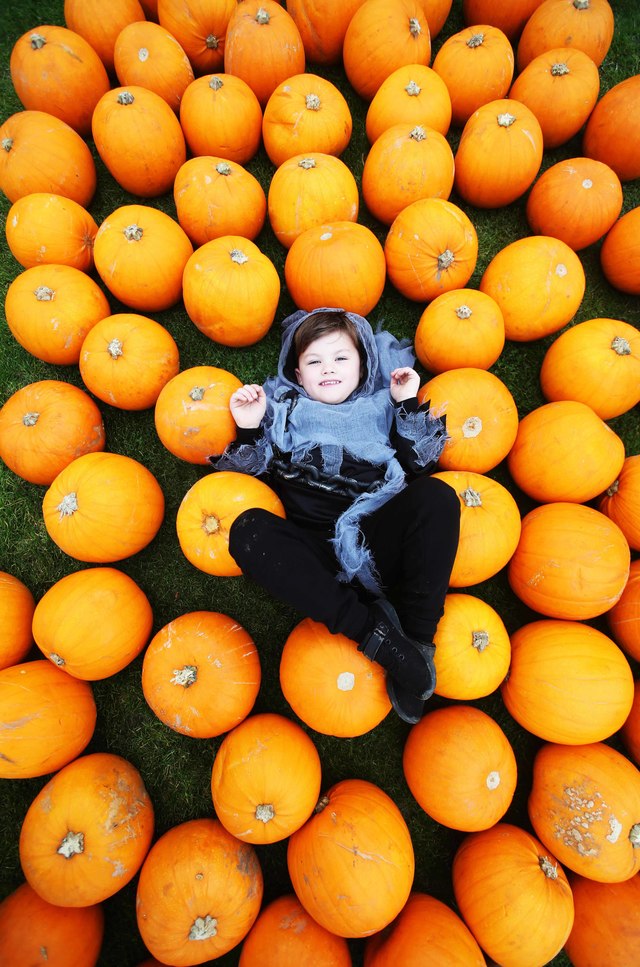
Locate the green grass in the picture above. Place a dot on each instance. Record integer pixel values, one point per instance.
(176, 769)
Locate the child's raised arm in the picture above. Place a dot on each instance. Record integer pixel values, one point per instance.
(248, 406)
(405, 384)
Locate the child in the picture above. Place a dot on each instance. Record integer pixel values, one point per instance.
(339, 435)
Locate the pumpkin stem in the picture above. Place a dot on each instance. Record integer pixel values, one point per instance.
(43, 293)
(418, 133)
(559, 69)
(125, 97)
(471, 497)
(476, 40)
(464, 312)
(413, 89)
(203, 928)
(115, 348)
(210, 524)
(212, 42)
(57, 659)
(223, 168)
(216, 83)
(479, 640)
(7, 144)
(307, 163)
(581, 4)
(71, 845)
(143, 54)
(238, 256)
(30, 419)
(634, 835)
(621, 346)
(312, 102)
(321, 804)
(549, 869)
(587, 183)
(68, 505)
(186, 676)
(445, 260)
(346, 681)
(471, 427)
(493, 780)
(262, 17)
(506, 120)
(613, 489)
(37, 41)
(414, 27)
(133, 233)
(265, 812)
(197, 393)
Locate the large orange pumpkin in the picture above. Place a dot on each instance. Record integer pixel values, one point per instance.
(148, 55)
(221, 116)
(101, 26)
(623, 618)
(460, 328)
(284, 933)
(585, 24)
(214, 197)
(199, 893)
(606, 928)
(305, 113)
(200, 27)
(620, 501)
(352, 863)
(620, 253)
(87, 831)
(192, 415)
(411, 94)
(43, 228)
(17, 605)
(473, 649)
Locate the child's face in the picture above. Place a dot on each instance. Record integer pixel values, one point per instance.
(329, 368)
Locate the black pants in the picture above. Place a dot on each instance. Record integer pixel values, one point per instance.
(413, 539)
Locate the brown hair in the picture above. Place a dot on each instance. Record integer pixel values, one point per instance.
(321, 323)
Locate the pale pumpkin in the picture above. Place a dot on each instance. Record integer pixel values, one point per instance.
(192, 415)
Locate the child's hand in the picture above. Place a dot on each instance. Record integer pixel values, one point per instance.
(405, 384)
(248, 406)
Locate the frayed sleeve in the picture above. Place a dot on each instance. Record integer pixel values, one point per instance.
(249, 453)
(418, 435)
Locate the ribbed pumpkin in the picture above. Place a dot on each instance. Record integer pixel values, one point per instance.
(606, 928)
(630, 730)
(431, 248)
(489, 526)
(567, 682)
(45, 425)
(103, 507)
(100, 26)
(407, 162)
(221, 116)
(214, 197)
(17, 605)
(263, 46)
(476, 64)
(148, 55)
(624, 617)
(425, 931)
(192, 415)
(383, 35)
(322, 25)
(65, 163)
(473, 650)
(509, 15)
(585, 24)
(338, 263)
(538, 282)
(43, 228)
(584, 804)
(576, 201)
(329, 684)
(29, 925)
(352, 863)
(199, 893)
(596, 362)
(561, 87)
(93, 622)
(87, 831)
(564, 451)
(460, 767)
(126, 360)
(620, 253)
(513, 895)
(50, 309)
(305, 113)
(611, 133)
(620, 501)
(195, 656)
(571, 561)
(460, 328)
(499, 154)
(47, 719)
(140, 253)
(308, 190)
(200, 27)
(139, 138)
(284, 933)
(265, 779)
(411, 94)
(208, 510)
(54, 69)
(482, 418)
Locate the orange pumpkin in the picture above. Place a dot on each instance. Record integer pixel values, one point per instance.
(148, 55)
(630, 730)
(139, 138)
(103, 507)
(54, 69)
(538, 282)
(567, 682)
(198, 883)
(322, 25)
(308, 190)
(411, 94)
(215, 197)
(608, 140)
(305, 113)
(329, 684)
(336, 263)
(29, 925)
(47, 719)
(265, 779)
(65, 163)
(352, 863)
(571, 561)
(436, 12)
(509, 15)
(620, 501)
(200, 27)
(585, 24)
(476, 64)
(87, 831)
(284, 933)
(93, 622)
(620, 253)
(43, 228)
(140, 254)
(473, 649)
(623, 618)
(192, 415)
(17, 605)
(460, 328)
(596, 362)
(606, 928)
(100, 26)
(489, 526)
(431, 248)
(263, 46)
(584, 804)
(126, 360)
(482, 418)
(513, 895)
(208, 510)
(193, 657)
(460, 767)
(221, 116)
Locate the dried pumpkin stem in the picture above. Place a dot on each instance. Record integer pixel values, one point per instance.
(37, 41)
(115, 348)
(133, 233)
(203, 928)
(71, 845)
(312, 102)
(212, 42)
(307, 163)
(224, 168)
(634, 835)
(210, 524)
(68, 505)
(30, 419)
(216, 83)
(476, 40)
(621, 346)
(414, 27)
(125, 98)
(464, 312)
(418, 133)
(197, 393)
(549, 869)
(413, 89)
(43, 293)
(262, 16)
(186, 676)
(265, 812)
(471, 497)
(479, 640)
(559, 69)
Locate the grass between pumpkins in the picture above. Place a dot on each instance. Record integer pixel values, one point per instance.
(175, 768)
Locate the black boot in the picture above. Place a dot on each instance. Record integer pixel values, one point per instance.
(409, 663)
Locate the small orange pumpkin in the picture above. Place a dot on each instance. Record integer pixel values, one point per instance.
(192, 415)
(473, 649)
(285, 933)
(322, 25)
(148, 55)
(305, 113)
(17, 605)
(585, 24)
(620, 501)
(624, 617)
(100, 26)
(620, 253)
(221, 116)
(200, 27)
(460, 328)
(411, 94)
(43, 228)
(214, 197)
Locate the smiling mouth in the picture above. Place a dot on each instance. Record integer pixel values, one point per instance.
(330, 382)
